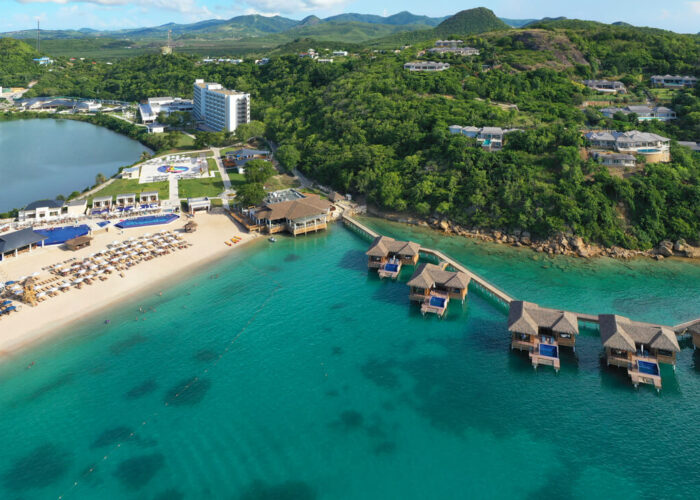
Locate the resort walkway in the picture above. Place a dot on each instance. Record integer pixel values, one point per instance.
(97, 188)
(174, 190)
(222, 170)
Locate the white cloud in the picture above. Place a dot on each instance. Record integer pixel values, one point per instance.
(694, 7)
(185, 6)
(290, 6)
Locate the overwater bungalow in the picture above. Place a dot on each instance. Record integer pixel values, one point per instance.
(638, 347)
(387, 255)
(433, 287)
(541, 331)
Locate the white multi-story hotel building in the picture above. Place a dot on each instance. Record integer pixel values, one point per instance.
(218, 108)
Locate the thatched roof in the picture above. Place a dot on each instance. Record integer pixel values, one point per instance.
(309, 206)
(78, 240)
(429, 275)
(618, 332)
(382, 246)
(526, 317)
(190, 224)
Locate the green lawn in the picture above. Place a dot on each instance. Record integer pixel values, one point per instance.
(184, 141)
(212, 165)
(663, 94)
(194, 188)
(236, 178)
(283, 181)
(124, 186)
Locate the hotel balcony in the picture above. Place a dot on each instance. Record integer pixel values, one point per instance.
(435, 303)
(645, 370)
(390, 269)
(546, 354)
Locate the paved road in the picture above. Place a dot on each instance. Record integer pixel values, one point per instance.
(222, 170)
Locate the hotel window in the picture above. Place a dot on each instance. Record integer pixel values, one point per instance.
(664, 352)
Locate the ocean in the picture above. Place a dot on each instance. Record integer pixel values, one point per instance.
(288, 371)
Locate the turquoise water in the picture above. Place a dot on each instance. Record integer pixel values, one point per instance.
(289, 371)
(43, 158)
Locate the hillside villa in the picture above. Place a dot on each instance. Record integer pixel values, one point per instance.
(673, 81)
(453, 47)
(661, 113)
(387, 255)
(541, 332)
(433, 286)
(653, 147)
(426, 66)
(490, 138)
(606, 86)
(638, 347)
(610, 159)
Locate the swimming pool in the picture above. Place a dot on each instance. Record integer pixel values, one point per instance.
(58, 235)
(149, 220)
(392, 268)
(548, 350)
(437, 301)
(172, 169)
(647, 367)
(648, 150)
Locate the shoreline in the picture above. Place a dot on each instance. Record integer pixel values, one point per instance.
(56, 314)
(563, 244)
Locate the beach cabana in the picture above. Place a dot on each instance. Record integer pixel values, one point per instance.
(126, 200)
(12, 244)
(149, 197)
(191, 227)
(433, 286)
(100, 203)
(78, 243)
(638, 347)
(196, 204)
(387, 255)
(541, 331)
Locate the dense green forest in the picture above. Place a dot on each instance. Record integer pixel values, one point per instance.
(366, 126)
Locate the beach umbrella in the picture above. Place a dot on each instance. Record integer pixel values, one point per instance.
(52, 290)
(41, 294)
(37, 273)
(65, 285)
(79, 280)
(22, 278)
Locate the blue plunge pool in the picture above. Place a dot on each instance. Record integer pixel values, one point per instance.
(392, 268)
(437, 301)
(548, 350)
(648, 368)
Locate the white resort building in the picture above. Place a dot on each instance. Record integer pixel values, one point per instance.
(154, 105)
(653, 147)
(661, 113)
(673, 81)
(426, 66)
(51, 210)
(218, 108)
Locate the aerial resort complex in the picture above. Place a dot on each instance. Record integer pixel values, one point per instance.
(638, 347)
(432, 286)
(541, 331)
(387, 255)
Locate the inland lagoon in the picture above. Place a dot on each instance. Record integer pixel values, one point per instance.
(43, 158)
(289, 371)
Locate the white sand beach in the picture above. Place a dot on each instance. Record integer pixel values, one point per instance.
(32, 324)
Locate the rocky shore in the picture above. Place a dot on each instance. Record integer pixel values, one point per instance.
(561, 244)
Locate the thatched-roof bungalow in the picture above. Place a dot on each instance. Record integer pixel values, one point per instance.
(638, 347)
(541, 331)
(387, 255)
(433, 287)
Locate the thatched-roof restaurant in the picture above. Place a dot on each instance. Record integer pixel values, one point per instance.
(433, 287)
(387, 255)
(297, 216)
(78, 242)
(541, 331)
(638, 347)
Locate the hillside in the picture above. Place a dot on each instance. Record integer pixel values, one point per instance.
(477, 20)
(17, 67)
(466, 22)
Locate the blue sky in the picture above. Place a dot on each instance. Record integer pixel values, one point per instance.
(677, 15)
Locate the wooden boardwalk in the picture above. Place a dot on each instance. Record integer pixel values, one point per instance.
(487, 287)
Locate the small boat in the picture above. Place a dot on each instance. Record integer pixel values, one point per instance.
(272, 239)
